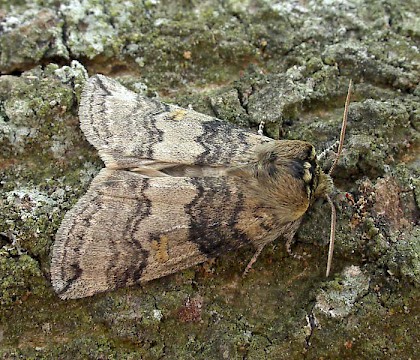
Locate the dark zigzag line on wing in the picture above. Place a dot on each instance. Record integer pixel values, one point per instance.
(142, 210)
(148, 120)
(135, 223)
(154, 134)
(77, 273)
(73, 264)
(214, 239)
(212, 149)
(216, 138)
(239, 238)
(197, 233)
(102, 127)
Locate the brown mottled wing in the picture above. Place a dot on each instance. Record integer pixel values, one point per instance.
(132, 228)
(130, 130)
(129, 229)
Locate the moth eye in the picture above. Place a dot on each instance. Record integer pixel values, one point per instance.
(312, 154)
(307, 174)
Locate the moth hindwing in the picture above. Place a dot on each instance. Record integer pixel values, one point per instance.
(178, 188)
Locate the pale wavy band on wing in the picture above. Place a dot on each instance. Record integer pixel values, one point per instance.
(132, 130)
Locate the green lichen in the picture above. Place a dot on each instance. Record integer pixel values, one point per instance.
(402, 261)
(20, 277)
(338, 299)
(38, 31)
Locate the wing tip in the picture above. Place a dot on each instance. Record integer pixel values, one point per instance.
(58, 281)
(63, 274)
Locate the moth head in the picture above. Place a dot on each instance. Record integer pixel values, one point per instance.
(292, 165)
(296, 162)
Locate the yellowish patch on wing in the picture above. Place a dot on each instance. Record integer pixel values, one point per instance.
(177, 114)
(161, 249)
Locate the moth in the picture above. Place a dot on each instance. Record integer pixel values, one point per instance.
(178, 188)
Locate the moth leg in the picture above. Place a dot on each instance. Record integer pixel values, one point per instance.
(289, 242)
(254, 259)
(289, 236)
(290, 230)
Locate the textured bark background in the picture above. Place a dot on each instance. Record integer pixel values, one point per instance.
(287, 63)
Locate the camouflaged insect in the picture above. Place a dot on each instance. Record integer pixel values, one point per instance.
(178, 188)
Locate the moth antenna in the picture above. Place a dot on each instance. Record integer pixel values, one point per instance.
(332, 235)
(343, 128)
(339, 150)
(320, 157)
